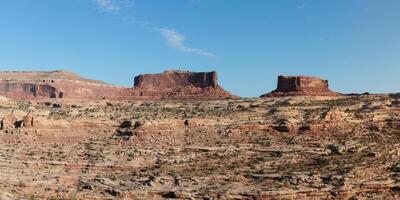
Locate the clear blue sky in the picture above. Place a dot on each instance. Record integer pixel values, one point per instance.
(353, 43)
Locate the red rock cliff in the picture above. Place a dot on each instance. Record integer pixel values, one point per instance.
(54, 84)
(301, 86)
(178, 85)
(170, 80)
(62, 84)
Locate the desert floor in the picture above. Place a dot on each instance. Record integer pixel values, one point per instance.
(275, 148)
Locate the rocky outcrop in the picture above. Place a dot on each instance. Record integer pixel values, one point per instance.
(28, 121)
(61, 84)
(170, 80)
(178, 85)
(9, 121)
(54, 84)
(301, 86)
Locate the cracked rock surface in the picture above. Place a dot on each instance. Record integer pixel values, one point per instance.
(270, 148)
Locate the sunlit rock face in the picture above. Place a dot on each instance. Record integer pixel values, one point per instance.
(301, 86)
(179, 85)
(53, 84)
(62, 84)
(170, 80)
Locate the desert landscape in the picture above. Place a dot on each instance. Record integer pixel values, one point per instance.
(296, 145)
(199, 100)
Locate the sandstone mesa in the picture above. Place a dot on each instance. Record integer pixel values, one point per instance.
(62, 84)
(301, 86)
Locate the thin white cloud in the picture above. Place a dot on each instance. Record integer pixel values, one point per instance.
(176, 40)
(173, 38)
(133, 20)
(301, 7)
(113, 5)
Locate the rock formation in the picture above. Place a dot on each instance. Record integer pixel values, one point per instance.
(28, 120)
(53, 84)
(301, 86)
(61, 84)
(170, 80)
(8, 121)
(178, 85)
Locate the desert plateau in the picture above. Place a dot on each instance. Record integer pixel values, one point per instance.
(199, 100)
(290, 147)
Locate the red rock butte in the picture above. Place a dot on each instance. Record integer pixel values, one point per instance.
(178, 85)
(301, 86)
(170, 80)
(63, 84)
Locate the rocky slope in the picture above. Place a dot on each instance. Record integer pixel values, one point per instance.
(53, 84)
(267, 148)
(62, 84)
(301, 86)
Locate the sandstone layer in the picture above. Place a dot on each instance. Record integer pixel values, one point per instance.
(53, 84)
(27, 85)
(169, 80)
(178, 85)
(301, 86)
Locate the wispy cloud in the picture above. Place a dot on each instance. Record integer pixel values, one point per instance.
(302, 4)
(301, 7)
(113, 5)
(176, 40)
(172, 37)
(134, 20)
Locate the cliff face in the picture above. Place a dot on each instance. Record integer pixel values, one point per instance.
(26, 90)
(62, 84)
(301, 86)
(54, 84)
(170, 80)
(179, 85)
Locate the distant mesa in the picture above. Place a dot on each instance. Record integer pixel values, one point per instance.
(27, 85)
(301, 86)
(170, 80)
(52, 84)
(176, 84)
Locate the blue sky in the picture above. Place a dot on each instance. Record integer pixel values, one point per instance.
(355, 44)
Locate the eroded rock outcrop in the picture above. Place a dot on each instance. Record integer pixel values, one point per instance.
(170, 80)
(9, 121)
(178, 85)
(62, 84)
(301, 86)
(53, 84)
(28, 121)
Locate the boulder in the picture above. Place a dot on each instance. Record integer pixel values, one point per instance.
(28, 120)
(189, 123)
(137, 124)
(9, 121)
(186, 123)
(127, 129)
(130, 124)
(285, 126)
(301, 86)
(333, 115)
(124, 134)
(126, 124)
